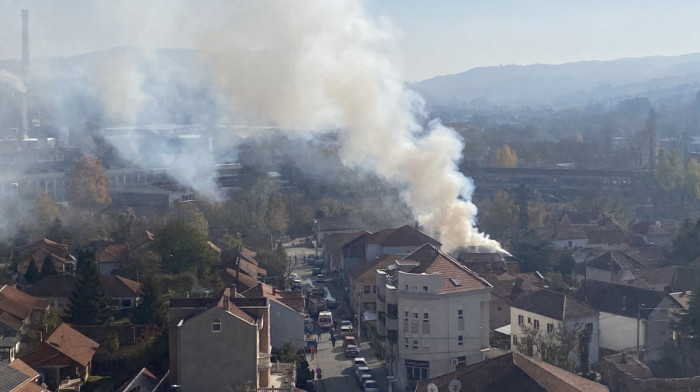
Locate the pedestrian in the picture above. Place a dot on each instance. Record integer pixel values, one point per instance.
(319, 334)
(313, 352)
(318, 373)
(333, 340)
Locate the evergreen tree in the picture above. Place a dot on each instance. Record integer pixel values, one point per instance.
(32, 275)
(57, 232)
(152, 309)
(47, 267)
(88, 302)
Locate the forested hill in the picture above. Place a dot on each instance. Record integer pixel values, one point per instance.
(661, 79)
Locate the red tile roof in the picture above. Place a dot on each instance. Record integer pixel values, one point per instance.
(366, 272)
(291, 299)
(144, 381)
(112, 253)
(18, 306)
(403, 236)
(73, 344)
(21, 366)
(119, 286)
(431, 260)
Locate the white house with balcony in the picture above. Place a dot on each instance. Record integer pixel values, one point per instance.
(435, 313)
(549, 311)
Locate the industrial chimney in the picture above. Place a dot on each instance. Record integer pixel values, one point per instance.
(25, 71)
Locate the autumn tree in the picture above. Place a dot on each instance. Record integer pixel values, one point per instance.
(190, 213)
(276, 216)
(88, 303)
(503, 212)
(504, 156)
(87, 184)
(45, 211)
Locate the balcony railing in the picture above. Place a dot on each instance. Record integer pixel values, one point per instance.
(264, 361)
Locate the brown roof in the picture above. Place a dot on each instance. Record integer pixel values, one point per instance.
(119, 286)
(333, 243)
(21, 366)
(250, 268)
(242, 280)
(513, 372)
(618, 259)
(18, 306)
(112, 253)
(682, 298)
(58, 261)
(660, 275)
(292, 299)
(559, 232)
(403, 236)
(52, 286)
(620, 299)
(554, 305)
(73, 344)
(432, 260)
(365, 272)
(143, 381)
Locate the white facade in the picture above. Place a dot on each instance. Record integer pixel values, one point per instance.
(520, 318)
(620, 332)
(437, 331)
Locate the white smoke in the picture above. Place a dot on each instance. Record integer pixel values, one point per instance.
(13, 80)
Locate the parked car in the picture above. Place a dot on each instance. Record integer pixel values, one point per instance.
(359, 371)
(359, 361)
(346, 323)
(351, 351)
(349, 340)
(363, 378)
(316, 271)
(320, 277)
(345, 330)
(296, 284)
(370, 386)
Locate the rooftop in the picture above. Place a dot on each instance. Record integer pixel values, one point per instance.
(554, 305)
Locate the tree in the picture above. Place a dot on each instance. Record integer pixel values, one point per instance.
(57, 232)
(45, 210)
(503, 212)
(88, 184)
(88, 303)
(183, 247)
(686, 246)
(190, 213)
(47, 267)
(153, 309)
(32, 275)
(276, 216)
(504, 156)
(536, 254)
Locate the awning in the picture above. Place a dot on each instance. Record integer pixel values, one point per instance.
(369, 316)
(504, 330)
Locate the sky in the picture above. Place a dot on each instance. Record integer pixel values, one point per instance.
(434, 37)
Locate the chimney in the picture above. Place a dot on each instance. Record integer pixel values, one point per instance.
(25, 71)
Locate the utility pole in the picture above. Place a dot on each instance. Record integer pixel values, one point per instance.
(639, 314)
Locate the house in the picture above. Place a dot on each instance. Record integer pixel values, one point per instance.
(63, 261)
(242, 260)
(333, 245)
(65, 355)
(122, 293)
(333, 225)
(215, 343)
(512, 372)
(433, 305)
(620, 307)
(144, 381)
(286, 314)
(656, 233)
(363, 283)
(562, 236)
(17, 311)
(17, 376)
(110, 257)
(506, 289)
(485, 263)
(613, 266)
(548, 311)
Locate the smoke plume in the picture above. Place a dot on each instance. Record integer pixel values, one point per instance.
(13, 80)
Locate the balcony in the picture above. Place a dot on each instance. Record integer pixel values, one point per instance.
(264, 361)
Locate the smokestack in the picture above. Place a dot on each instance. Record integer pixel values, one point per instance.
(25, 71)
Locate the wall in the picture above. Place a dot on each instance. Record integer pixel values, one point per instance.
(499, 312)
(598, 274)
(286, 325)
(659, 332)
(217, 361)
(620, 332)
(618, 380)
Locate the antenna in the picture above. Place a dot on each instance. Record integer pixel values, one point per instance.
(432, 387)
(455, 386)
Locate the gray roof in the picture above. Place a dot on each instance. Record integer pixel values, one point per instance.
(620, 299)
(554, 305)
(10, 378)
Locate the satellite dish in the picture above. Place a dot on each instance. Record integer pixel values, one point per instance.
(432, 387)
(455, 386)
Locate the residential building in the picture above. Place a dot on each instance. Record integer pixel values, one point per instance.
(549, 311)
(122, 293)
(17, 311)
(437, 315)
(144, 381)
(215, 343)
(628, 313)
(562, 236)
(506, 289)
(512, 372)
(17, 376)
(335, 225)
(363, 283)
(286, 314)
(111, 257)
(63, 261)
(65, 357)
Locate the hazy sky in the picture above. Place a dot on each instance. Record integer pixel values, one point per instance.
(435, 37)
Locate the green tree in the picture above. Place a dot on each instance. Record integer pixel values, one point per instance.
(288, 354)
(47, 267)
(45, 210)
(190, 213)
(276, 216)
(536, 254)
(112, 341)
(502, 212)
(686, 246)
(504, 156)
(152, 309)
(183, 247)
(32, 275)
(88, 303)
(57, 232)
(88, 184)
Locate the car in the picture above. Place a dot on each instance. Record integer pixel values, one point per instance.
(320, 277)
(351, 351)
(359, 371)
(370, 385)
(316, 271)
(294, 276)
(349, 340)
(296, 284)
(363, 377)
(345, 330)
(359, 361)
(346, 323)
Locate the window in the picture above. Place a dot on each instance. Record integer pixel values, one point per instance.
(529, 320)
(461, 362)
(415, 315)
(550, 328)
(415, 288)
(515, 340)
(366, 289)
(425, 288)
(460, 340)
(126, 303)
(417, 370)
(499, 308)
(415, 344)
(405, 316)
(216, 326)
(537, 323)
(520, 319)
(460, 314)
(426, 345)
(405, 343)
(426, 318)
(406, 287)
(374, 289)
(589, 327)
